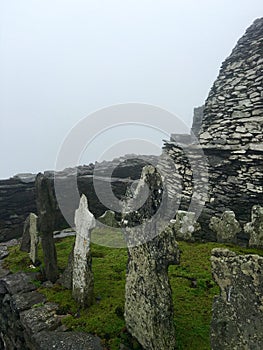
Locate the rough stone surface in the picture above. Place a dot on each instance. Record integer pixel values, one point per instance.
(148, 297)
(25, 242)
(255, 228)
(237, 320)
(83, 281)
(185, 225)
(108, 218)
(29, 241)
(28, 322)
(46, 220)
(66, 341)
(226, 227)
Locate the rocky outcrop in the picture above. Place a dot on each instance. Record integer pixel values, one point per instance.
(28, 322)
(237, 320)
(148, 295)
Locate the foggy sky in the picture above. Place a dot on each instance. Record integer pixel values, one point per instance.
(61, 60)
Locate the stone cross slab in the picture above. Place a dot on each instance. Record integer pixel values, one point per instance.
(82, 276)
(148, 295)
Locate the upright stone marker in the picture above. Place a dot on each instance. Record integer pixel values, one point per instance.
(46, 206)
(255, 227)
(226, 227)
(33, 237)
(237, 321)
(82, 277)
(185, 225)
(148, 295)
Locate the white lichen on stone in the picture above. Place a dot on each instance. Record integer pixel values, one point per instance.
(82, 277)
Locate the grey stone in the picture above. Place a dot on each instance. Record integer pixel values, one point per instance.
(185, 225)
(25, 242)
(226, 227)
(46, 206)
(237, 320)
(82, 276)
(255, 228)
(24, 301)
(33, 237)
(18, 282)
(47, 340)
(40, 318)
(3, 252)
(148, 296)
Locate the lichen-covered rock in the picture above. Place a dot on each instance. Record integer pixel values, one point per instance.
(46, 206)
(148, 296)
(108, 218)
(33, 237)
(25, 242)
(83, 280)
(226, 227)
(47, 340)
(185, 225)
(237, 320)
(255, 227)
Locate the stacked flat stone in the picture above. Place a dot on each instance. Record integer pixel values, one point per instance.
(231, 132)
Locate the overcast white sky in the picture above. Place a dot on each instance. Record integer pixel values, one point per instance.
(60, 60)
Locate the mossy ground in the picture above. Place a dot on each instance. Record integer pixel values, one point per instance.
(191, 281)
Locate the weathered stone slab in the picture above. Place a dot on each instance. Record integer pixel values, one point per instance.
(46, 206)
(25, 242)
(19, 282)
(33, 237)
(226, 227)
(237, 320)
(83, 281)
(255, 227)
(148, 296)
(185, 225)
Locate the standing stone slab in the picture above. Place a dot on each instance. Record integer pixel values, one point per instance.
(46, 206)
(33, 237)
(255, 227)
(148, 296)
(83, 281)
(226, 227)
(25, 242)
(237, 320)
(185, 225)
